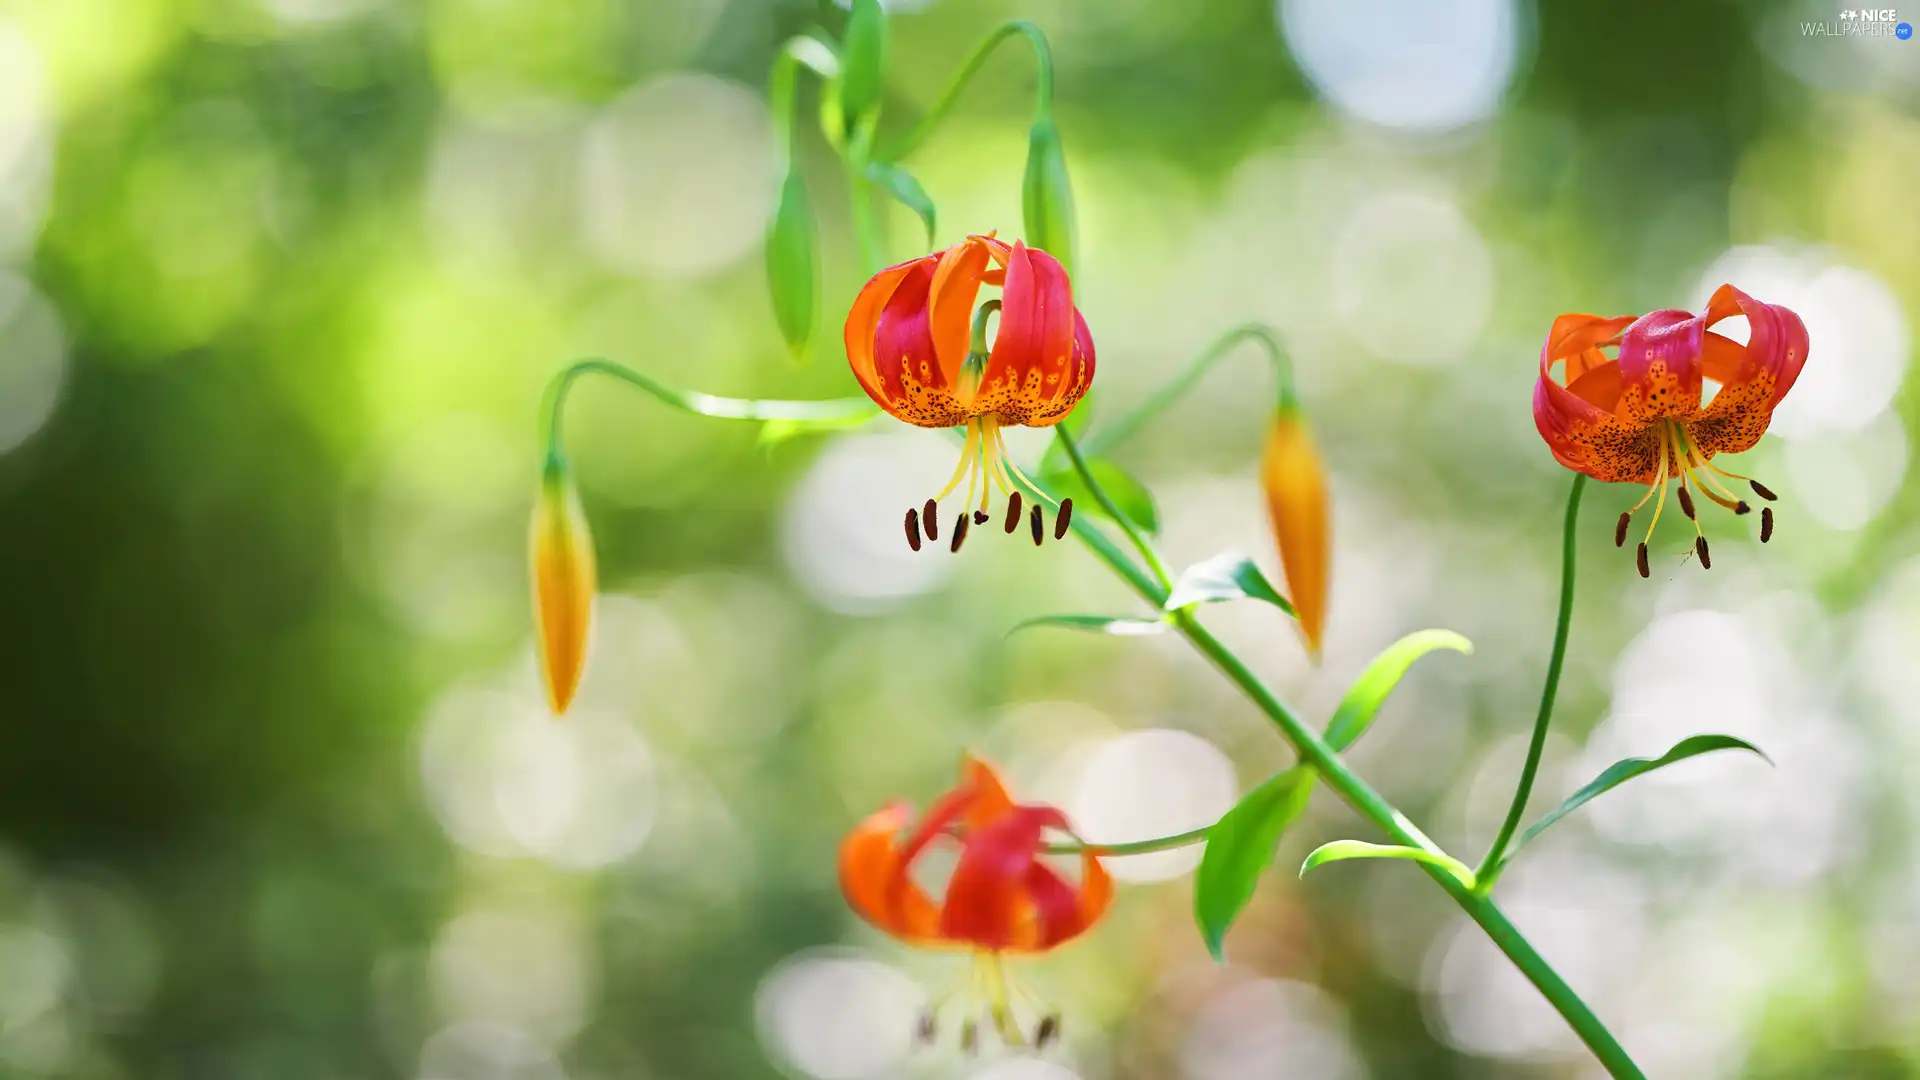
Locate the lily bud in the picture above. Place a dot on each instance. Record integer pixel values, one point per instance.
(561, 551)
(1046, 195)
(793, 264)
(863, 55)
(1295, 481)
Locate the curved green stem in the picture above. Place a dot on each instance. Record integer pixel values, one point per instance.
(796, 52)
(1133, 847)
(1140, 542)
(1491, 866)
(831, 412)
(1119, 430)
(1043, 92)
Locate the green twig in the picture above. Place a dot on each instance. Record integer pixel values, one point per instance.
(1133, 847)
(1043, 92)
(1111, 434)
(1492, 865)
(1140, 542)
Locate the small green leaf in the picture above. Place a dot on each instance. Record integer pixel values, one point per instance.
(1046, 195)
(1370, 690)
(1132, 497)
(1626, 769)
(1240, 847)
(863, 54)
(907, 191)
(1227, 576)
(1118, 626)
(1340, 850)
(793, 265)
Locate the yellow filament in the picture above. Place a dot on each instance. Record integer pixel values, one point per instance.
(998, 1006)
(968, 455)
(1022, 477)
(1695, 516)
(1660, 503)
(1706, 479)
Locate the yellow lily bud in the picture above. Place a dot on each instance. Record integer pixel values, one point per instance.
(1295, 481)
(561, 551)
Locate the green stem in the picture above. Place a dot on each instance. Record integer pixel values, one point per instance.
(1117, 431)
(1491, 866)
(1140, 542)
(1043, 93)
(1133, 847)
(866, 227)
(795, 52)
(725, 408)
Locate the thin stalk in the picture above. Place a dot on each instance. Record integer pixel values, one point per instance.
(1043, 92)
(1113, 433)
(1140, 543)
(1132, 847)
(1491, 866)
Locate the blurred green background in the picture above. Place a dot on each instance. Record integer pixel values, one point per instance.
(281, 281)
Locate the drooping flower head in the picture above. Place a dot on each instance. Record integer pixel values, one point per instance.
(917, 345)
(560, 551)
(1002, 897)
(1636, 417)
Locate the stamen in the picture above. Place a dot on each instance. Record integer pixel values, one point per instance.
(1741, 507)
(1761, 490)
(1620, 529)
(1686, 502)
(959, 533)
(979, 517)
(1766, 524)
(969, 1037)
(1038, 525)
(1013, 511)
(1645, 570)
(1048, 1031)
(930, 517)
(1700, 549)
(1066, 517)
(913, 528)
(927, 1030)
(1660, 500)
(969, 454)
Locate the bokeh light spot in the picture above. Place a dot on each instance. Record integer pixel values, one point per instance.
(834, 1015)
(33, 363)
(1416, 65)
(1152, 783)
(1412, 279)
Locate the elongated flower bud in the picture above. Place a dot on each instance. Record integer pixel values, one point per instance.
(561, 552)
(1296, 488)
(793, 264)
(1046, 195)
(863, 55)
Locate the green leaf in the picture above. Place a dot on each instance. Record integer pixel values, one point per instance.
(863, 54)
(907, 191)
(1626, 769)
(1341, 850)
(1240, 847)
(1132, 497)
(1227, 576)
(793, 265)
(1370, 690)
(1118, 626)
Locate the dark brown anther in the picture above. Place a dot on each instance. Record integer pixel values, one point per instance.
(926, 1031)
(1686, 503)
(1048, 1031)
(1013, 511)
(1066, 518)
(930, 517)
(1766, 524)
(1038, 524)
(1620, 530)
(1700, 549)
(913, 529)
(1741, 507)
(1645, 570)
(959, 534)
(969, 1037)
(979, 517)
(1760, 489)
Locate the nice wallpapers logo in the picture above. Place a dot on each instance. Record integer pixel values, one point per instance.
(1861, 22)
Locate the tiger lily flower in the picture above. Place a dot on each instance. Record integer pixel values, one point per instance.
(1637, 417)
(917, 345)
(1001, 897)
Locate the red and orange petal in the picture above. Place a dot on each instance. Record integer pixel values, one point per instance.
(1001, 896)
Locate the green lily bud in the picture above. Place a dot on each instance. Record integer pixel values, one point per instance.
(1046, 195)
(863, 53)
(793, 264)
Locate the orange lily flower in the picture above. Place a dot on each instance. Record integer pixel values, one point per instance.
(1636, 417)
(911, 348)
(1001, 898)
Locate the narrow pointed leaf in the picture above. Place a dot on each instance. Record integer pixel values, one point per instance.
(1240, 847)
(1117, 626)
(793, 265)
(863, 52)
(1227, 576)
(1132, 497)
(1341, 850)
(905, 190)
(1626, 769)
(1369, 692)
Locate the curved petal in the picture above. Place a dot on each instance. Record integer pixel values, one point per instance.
(1061, 911)
(864, 318)
(1574, 334)
(989, 800)
(873, 875)
(1031, 367)
(956, 283)
(1587, 438)
(986, 897)
(912, 384)
(1777, 342)
(1660, 359)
